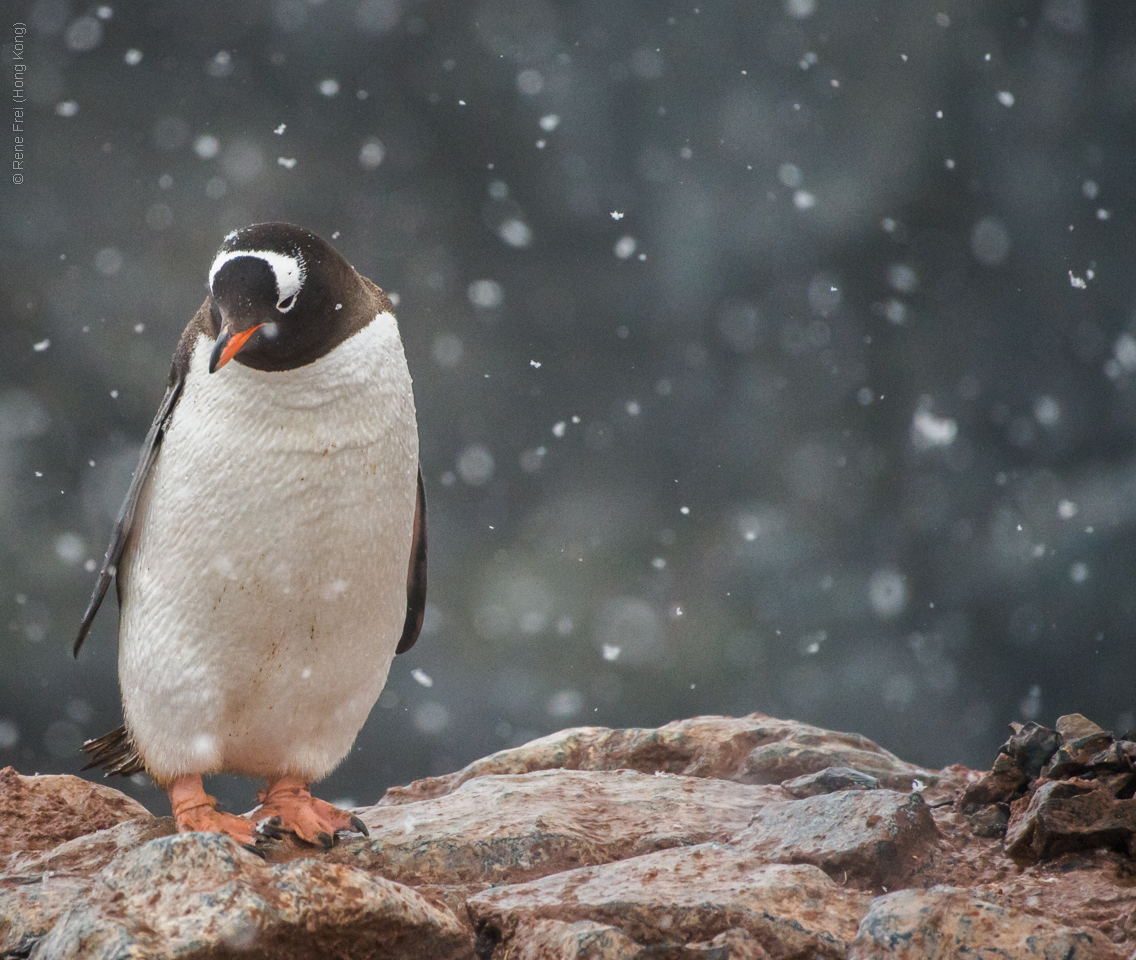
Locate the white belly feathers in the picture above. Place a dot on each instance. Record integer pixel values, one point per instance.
(264, 591)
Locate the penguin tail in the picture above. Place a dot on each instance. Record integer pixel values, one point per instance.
(115, 752)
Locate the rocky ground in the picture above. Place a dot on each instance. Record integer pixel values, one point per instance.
(707, 839)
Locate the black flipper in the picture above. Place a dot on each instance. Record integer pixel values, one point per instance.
(115, 752)
(125, 522)
(202, 323)
(415, 575)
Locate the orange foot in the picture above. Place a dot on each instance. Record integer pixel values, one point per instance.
(287, 805)
(194, 809)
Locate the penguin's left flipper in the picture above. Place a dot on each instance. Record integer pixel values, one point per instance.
(124, 525)
(125, 522)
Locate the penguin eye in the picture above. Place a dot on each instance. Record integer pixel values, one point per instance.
(286, 304)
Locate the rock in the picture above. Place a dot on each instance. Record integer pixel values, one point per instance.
(38, 888)
(1002, 784)
(733, 944)
(556, 940)
(29, 912)
(676, 897)
(1085, 889)
(990, 821)
(947, 922)
(1064, 815)
(197, 895)
(1074, 756)
(38, 813)
(1119, 755)
(1073, 726)
(685, 857)
(1030, 747)
(89, 853)
(751, 749)
(830, 780)
(509, 828)
(869, 839)
(1020, 760)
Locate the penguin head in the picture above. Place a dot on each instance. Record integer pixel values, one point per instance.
(281, 297)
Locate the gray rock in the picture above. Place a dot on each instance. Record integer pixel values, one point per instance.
(830, 780)
(945, 923)
(39, 887)
(200, 895)
(682, 896)
(1031, 747)
(1075, 756)
(1074, 726)
(29, 910)
(506, 829)
(990, 821)
(870, 838)
(750, 749)
(583, 940)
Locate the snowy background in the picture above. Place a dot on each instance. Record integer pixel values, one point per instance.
(768, 356)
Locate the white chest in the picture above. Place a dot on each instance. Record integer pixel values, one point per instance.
(265, 587)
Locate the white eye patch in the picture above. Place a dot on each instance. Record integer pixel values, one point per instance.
(288, 270)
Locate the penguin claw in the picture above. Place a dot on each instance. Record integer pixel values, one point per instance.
(271, 827)
(359, 826)
(288, 806)
(253, 850)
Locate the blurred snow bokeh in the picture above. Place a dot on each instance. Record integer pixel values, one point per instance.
(762, 313)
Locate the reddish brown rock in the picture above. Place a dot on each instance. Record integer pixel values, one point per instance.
(944, 923)
(650, 888)
(868, 838)
(39, 887)
(505, 829)
(38, 813)
(751, 749)
(89, 853)
(1001, 785)
(683, 896)
(1064, 815)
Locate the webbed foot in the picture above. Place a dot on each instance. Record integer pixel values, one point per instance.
(194, 809)
(288, 806)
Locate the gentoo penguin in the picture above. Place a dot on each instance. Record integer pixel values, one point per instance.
(271, 552)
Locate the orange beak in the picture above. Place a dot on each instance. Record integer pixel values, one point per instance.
(229, 345)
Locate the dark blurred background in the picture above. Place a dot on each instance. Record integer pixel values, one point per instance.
(771, 356)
